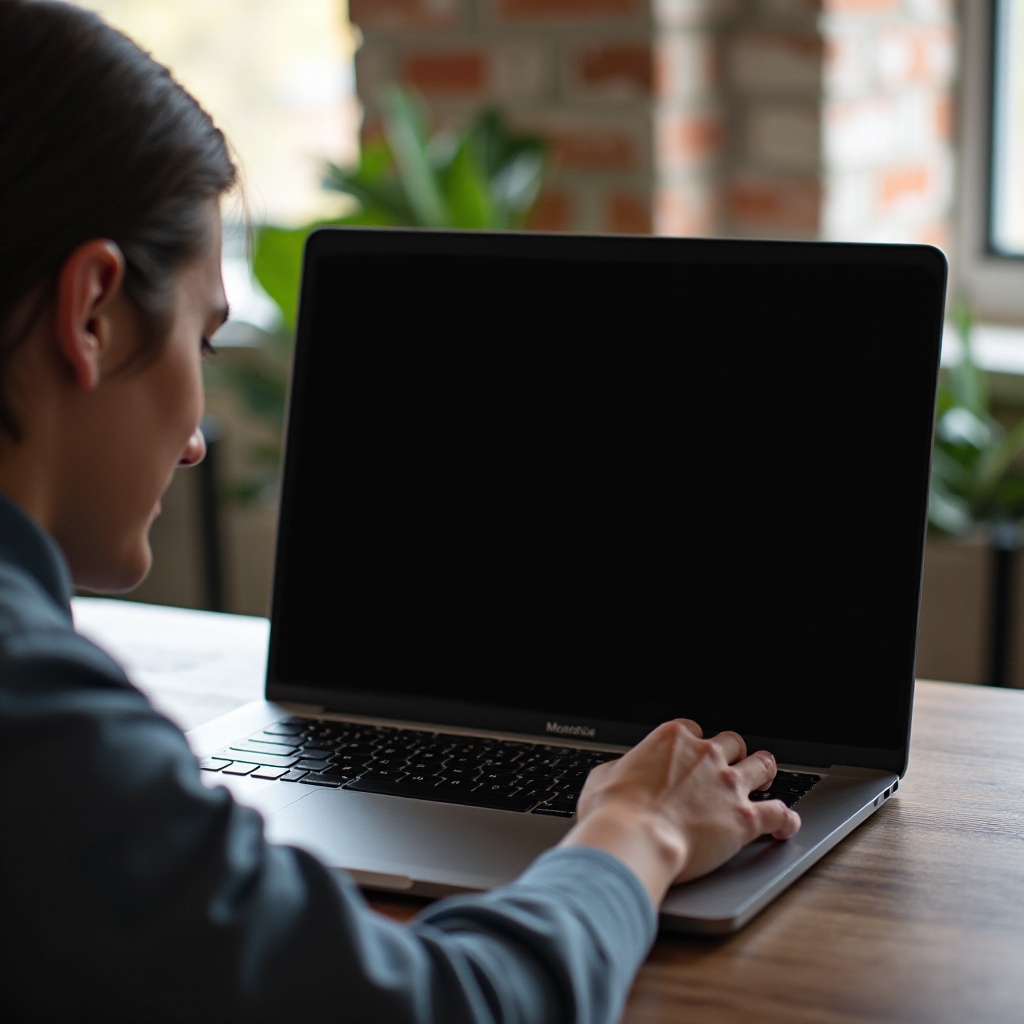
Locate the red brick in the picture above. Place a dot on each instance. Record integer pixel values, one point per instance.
(792, 204)
(594, 149)
(629, 213)
(447, 72)
(615, 66)
(553, 211)
(403, 14)
(898, 184)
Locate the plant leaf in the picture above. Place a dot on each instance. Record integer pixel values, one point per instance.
(512, 164)
(466, 191)
(372, 183)
(996, 463)
(948, 513)
(406, 132)
(960, 426)
(517, 186)
(967, 380)
(953, 472)
(276, 265)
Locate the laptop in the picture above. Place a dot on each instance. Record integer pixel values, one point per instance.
(543, 491)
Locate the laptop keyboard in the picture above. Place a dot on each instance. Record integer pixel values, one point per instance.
(510, 775)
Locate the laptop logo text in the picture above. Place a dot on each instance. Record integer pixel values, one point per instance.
(571, 730)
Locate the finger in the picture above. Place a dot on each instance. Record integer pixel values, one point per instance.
(757, 770)
(777, 820)
(732, 745)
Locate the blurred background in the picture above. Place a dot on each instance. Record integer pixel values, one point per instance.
(880, 120)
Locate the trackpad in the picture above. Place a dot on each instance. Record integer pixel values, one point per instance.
(416, 845)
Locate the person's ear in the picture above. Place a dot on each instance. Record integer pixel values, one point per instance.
(88, 284)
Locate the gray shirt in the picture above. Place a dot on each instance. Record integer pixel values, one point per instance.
(131, 891)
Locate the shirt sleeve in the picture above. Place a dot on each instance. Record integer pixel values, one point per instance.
(130, 890)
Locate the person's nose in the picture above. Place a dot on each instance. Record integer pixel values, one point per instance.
(195, 450)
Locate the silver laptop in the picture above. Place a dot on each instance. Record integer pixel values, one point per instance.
(543, 491)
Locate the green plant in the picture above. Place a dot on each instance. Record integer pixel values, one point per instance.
(481, 176)
(977, 479)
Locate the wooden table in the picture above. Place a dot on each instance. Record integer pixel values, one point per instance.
(918, 916)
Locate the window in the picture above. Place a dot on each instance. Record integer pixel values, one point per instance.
(1006, 152)
(989, 255)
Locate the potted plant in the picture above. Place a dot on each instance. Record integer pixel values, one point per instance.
(976, 481)
(976, 508)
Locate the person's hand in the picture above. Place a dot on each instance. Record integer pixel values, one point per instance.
(676, 806)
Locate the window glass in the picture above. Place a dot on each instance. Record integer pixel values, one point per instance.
(277, 77)
(1006, 221)
(986, 266)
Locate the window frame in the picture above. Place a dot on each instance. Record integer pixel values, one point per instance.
(992, 282)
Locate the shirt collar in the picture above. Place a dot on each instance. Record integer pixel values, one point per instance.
(24, 543)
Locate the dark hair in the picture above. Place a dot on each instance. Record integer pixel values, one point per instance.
(97, 140)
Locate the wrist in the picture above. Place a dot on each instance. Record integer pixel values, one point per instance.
(644, 842)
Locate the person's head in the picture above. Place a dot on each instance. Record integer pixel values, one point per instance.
(110, 180)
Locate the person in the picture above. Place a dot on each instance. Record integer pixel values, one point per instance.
(129, 890)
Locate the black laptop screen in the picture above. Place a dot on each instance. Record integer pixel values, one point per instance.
(611, 481)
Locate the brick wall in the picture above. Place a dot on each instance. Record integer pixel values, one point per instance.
(842, 119)
(784, 118)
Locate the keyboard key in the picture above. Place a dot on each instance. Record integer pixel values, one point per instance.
(343, 774)
(315, 752)
(252, 746)
(352, 752)
(788, 787)
(316, 779)
(285, 729)
(539, 794)
(256, 757)
(384, 773)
